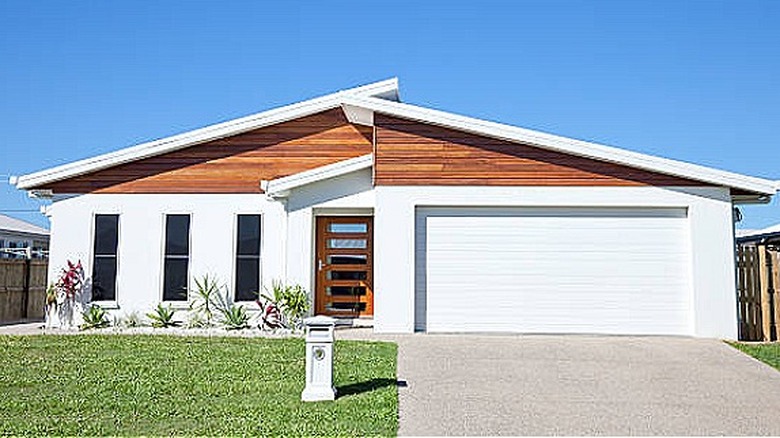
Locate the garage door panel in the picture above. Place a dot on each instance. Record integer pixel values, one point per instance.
(553, 270)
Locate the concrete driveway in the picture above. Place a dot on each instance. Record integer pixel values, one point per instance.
(581, 385)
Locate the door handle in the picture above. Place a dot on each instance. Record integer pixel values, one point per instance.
(319, 265)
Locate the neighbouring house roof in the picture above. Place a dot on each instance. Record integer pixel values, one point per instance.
(766, 234)
(14, 225)
(360, 104)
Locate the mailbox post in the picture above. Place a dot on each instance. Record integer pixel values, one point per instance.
(319, 359)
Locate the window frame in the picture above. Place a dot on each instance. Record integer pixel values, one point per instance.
(176, 304)
(106, 304)
(235, 256)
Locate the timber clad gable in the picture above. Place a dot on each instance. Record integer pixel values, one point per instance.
(413, 153)
(234, 164)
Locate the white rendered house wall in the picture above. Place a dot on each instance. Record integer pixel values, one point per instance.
(287, 234)
(709, 217)
(349, 194)
(141, 240)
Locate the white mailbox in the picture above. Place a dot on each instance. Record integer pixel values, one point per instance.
(319, 359)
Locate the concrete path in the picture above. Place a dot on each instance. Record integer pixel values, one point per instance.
(24, 328)
(580, 385)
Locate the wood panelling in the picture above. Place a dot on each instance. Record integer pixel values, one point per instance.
(412, 153)
(235, 164)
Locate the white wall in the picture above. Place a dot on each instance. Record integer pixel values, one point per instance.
(141, 230)
(288, 237)
(287, 244)
(709, 212)
(350, 194)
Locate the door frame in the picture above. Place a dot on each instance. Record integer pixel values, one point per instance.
(321, 235)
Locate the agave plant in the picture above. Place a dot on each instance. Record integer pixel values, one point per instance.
(162, 317)
(94, 318)
(235, 317)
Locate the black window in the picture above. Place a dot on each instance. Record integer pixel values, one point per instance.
(248, 257)
(104, 257)
(177, 257)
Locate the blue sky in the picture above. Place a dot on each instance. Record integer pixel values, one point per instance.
(695, 81)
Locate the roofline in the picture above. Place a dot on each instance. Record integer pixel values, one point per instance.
(387, 88)
(280, 187)
(567, 145)
(363, 97)
(47, 234)
(759, 238)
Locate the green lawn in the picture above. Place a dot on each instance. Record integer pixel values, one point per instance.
(165, 385)
(767, 353)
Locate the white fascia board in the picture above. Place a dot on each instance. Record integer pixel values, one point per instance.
(281, 186)
(202, 135)
(567, 145)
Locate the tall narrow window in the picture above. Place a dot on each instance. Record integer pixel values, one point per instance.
(248, 257)
(104, 258)
(177, 257)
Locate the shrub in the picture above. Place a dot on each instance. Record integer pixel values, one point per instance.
(270, 316)
(291, 300)
(61, 296)
(162, 317)
(235, 317)
(94, 318)
(207, 298)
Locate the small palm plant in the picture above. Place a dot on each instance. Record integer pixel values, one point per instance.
(94, 318)
(162, 317)
(207, 299)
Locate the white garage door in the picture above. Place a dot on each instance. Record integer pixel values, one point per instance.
(553, 270)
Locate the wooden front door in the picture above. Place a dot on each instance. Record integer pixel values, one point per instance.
(344, 266)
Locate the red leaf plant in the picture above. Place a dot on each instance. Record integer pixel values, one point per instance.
(71, 280)
(270, 315)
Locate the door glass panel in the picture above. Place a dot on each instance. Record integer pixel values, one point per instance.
(346, 307)
(343, 227)
(346, 290)
(347, 243)
(347, 259)
(347, 275)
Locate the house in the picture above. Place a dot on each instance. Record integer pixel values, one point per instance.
(420, 219)
(769, 236)
(18, 237)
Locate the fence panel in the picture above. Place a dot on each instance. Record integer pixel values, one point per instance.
(774, 260)
(748, 294)
(22, 289)
(758, 300)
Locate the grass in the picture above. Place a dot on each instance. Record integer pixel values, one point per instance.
(164, 385)
(767, 353)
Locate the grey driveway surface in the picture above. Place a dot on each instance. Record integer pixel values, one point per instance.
(580, 385)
